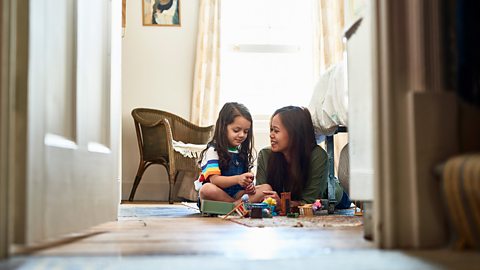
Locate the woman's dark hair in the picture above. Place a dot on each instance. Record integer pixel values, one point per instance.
(284, 176)
(226, 116)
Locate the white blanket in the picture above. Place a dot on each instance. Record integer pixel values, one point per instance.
(188, 149)
(329, 102)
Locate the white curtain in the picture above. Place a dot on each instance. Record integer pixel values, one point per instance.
(330, 24)
(206, 82)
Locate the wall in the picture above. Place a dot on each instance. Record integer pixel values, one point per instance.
(157, 72)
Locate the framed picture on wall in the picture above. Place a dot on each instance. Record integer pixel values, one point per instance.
(161, 12)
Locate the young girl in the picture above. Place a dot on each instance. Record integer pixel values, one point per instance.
(228, 157)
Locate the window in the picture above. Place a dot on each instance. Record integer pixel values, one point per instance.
(266, 54)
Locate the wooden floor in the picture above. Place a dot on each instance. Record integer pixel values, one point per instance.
(176, 237)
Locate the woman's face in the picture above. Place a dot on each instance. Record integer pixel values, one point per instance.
(278, 135)
(237, 131)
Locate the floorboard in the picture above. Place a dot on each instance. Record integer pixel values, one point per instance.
(163, 236)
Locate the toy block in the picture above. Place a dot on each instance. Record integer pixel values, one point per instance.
(216, 207)
(257, 210)
(285, 203)
(240, 209)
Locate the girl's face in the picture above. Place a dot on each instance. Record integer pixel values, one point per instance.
(278, 136)
(237, 131)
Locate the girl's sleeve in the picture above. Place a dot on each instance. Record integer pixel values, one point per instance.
(262, 161)
(317, 181)
(209, 165)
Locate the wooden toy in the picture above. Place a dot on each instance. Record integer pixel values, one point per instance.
(285, 198)
(215, 207)
(306, 210)
(240, 209)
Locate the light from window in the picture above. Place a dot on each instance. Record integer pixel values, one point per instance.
(267, 53)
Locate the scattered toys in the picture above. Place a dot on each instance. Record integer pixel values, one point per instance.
(265, 209)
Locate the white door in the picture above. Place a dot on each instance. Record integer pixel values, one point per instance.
(360, 105)
(73, 108)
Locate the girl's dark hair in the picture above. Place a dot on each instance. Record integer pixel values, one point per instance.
(283, 176)
(226, 116)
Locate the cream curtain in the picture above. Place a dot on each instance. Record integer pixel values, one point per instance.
(329, 27)
(206, 82)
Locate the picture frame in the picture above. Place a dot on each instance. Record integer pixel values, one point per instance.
(161, 12)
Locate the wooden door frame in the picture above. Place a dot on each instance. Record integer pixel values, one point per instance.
(14, 90)
(407, 74)
(4, 124)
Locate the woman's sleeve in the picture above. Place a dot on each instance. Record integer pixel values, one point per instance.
(317, 180)
(262, 161)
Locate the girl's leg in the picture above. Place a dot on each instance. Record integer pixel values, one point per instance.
(254, 198)
(212, 192)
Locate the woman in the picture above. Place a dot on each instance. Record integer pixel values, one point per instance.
(294, 162)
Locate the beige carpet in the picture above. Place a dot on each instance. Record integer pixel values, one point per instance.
(315, 221)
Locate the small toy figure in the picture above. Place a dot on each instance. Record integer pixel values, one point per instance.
(266, 213)
(317, 205)
(271, 202)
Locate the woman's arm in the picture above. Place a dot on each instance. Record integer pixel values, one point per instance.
(317, 182)
(262, 161)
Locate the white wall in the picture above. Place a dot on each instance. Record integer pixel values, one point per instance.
(157, 71)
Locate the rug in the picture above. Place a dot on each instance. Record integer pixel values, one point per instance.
(341, 218)
(156, 210)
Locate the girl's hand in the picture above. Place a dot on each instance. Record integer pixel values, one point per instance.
(271, 194)
(250, 189)
(245, 179)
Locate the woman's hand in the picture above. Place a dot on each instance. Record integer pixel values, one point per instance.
(245, 179)
(272, 194)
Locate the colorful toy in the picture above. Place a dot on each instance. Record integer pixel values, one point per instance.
(271, 202)
(317, 205)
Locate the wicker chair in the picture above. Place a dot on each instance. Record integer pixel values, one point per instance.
(156, 131)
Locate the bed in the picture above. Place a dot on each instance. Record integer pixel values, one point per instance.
(328, 107)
